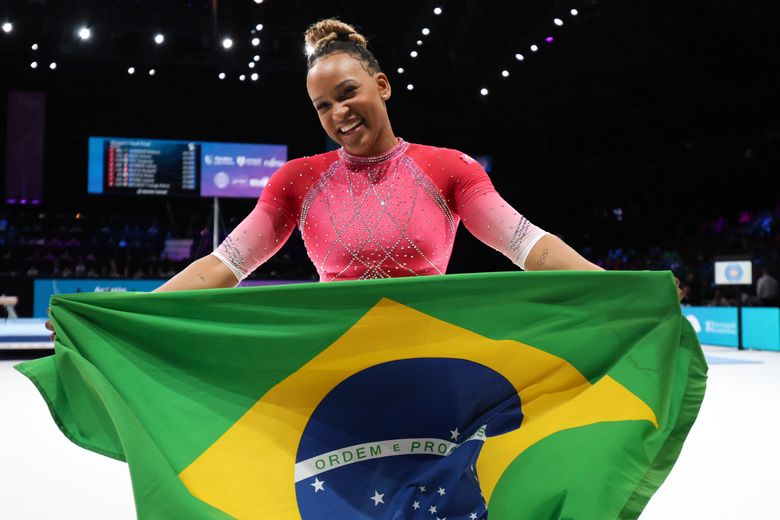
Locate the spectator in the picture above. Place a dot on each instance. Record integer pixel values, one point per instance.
(766, 289)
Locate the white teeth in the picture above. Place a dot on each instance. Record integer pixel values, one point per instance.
(345, 129)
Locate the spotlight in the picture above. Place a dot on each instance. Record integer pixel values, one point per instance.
(257, 57)
(505, 73)
(242, 77)
(258, 1)
(34, 65)
(574, 12)
(221, 75)
(8, 27)
(227, 43)
(549, 39)
(53, 65)
(519, 57)
(558, 22)
(254, 76)
(251, 64)
(484, 92)
(131, 70)
(255, 42)
(34, 46)
(409, 87)
(159, 38)
(259, 27)
(534, 48)
(419, 42)
(413, 54)
(400, 70)
(152, 72)
(437, 10)
(426, 31)
(85, 33)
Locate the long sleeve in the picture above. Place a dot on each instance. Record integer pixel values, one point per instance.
(496, 223)
(484, 212)
(256, 239)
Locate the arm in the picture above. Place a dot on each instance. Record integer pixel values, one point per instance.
(551, 253)
(208, 272)
(257, 238)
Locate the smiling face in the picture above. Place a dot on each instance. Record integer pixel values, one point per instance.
(350, 103)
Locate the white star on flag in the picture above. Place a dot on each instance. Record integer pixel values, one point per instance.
(422, 489)
(318, 485)
(473, 516)
(454, 434)
(441, 491)
(432, 509)
(416, 505)
(377, 498)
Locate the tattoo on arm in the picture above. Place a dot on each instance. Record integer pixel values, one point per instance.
(543, 256)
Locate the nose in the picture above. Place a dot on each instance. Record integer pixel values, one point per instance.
(340, 112)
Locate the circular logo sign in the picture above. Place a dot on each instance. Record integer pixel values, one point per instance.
(734, 272)
(221, 180)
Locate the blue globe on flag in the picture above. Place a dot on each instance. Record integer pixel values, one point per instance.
(396, 441)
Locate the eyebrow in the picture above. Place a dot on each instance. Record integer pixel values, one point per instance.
(341, 84)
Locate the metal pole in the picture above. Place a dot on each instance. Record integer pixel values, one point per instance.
(739, 317)
(215, 234)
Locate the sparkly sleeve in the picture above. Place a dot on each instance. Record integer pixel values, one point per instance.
(488, 216)
(265, 230)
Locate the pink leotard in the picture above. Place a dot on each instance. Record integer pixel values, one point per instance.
(382, 216)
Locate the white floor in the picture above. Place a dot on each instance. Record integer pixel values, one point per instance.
(729, 468)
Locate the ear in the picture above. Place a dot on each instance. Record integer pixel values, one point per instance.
(383, 85)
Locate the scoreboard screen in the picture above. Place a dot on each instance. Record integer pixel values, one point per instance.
(156, 167)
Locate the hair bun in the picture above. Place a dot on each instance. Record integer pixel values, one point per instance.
(331, 29)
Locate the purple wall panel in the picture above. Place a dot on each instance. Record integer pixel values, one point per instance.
(24, 147)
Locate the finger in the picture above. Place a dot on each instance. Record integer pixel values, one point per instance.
(48, 325)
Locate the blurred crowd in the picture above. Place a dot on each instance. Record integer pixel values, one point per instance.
(38, 244)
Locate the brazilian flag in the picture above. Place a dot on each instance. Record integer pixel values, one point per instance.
(509, 395)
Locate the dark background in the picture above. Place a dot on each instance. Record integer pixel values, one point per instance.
(665, 111)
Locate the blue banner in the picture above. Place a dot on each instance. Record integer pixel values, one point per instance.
(714, 325)
(44, 288)
(761, 328)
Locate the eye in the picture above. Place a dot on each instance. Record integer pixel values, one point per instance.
(347, 92)
(322, 106)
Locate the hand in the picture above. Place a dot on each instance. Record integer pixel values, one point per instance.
(680, 293)
(49, 326)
